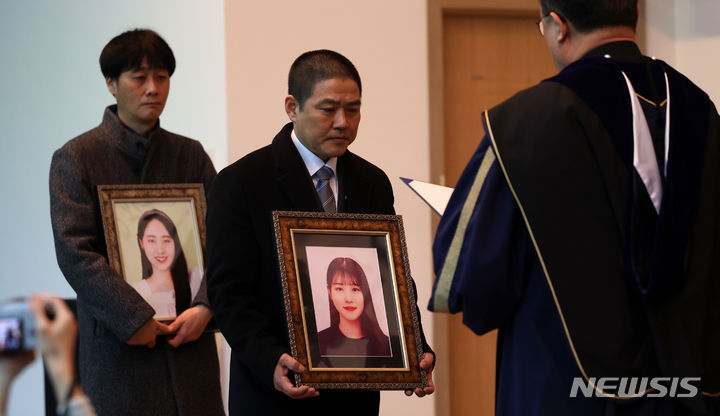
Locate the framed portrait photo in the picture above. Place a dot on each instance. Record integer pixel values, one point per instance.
(155, 237)
(349, 300)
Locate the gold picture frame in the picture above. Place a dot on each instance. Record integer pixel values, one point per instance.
(314, 251)
(178, 206)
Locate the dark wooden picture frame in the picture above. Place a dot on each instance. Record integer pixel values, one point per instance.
(308, 244)
(122, 206)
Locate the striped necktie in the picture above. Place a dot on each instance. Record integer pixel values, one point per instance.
(323, 176)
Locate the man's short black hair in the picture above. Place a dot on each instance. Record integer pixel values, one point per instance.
(316, 66)
(125, 52)
(589, 15)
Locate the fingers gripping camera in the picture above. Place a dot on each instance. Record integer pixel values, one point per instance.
(17, 327)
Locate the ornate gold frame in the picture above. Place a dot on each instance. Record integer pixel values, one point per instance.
(287, 225)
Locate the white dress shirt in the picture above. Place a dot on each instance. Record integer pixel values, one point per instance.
(313, 163)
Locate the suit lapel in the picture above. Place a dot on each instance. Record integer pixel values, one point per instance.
(353, 191)
(292, 175)
(354, 196)
(344, 182)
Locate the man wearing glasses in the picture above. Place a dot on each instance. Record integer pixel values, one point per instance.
(589, 232)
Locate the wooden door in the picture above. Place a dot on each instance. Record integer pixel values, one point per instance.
(487, 58)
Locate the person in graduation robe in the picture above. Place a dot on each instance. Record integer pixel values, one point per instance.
(585, 227)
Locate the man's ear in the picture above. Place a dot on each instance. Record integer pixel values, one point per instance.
(562, 25)
(111, 85)
(291, 107)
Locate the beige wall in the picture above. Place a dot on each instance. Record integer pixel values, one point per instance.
(387, 41)
(686, 34)
(660, 29)
(697, 37)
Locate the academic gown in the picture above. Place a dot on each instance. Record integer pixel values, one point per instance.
(536, 241)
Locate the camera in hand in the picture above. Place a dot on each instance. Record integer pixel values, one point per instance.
(17, 327)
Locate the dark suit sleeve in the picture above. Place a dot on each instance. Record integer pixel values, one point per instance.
(234, 278)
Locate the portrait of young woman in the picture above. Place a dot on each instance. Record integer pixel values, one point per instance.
(349, 304)
(167, 284)
(354, 330)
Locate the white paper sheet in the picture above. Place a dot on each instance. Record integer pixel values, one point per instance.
(436, 196)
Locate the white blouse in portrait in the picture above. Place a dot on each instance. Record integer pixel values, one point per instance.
(164, 302)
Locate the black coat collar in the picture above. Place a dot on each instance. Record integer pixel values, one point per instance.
(292, 175)
(623, 50)
(354, 194)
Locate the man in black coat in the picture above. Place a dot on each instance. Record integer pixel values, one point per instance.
(244, 284)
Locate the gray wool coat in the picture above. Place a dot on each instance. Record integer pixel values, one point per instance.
(122, 379)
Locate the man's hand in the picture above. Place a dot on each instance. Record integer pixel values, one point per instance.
(147, 334)
(189, 325)
(426, 365)
(282, 382)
